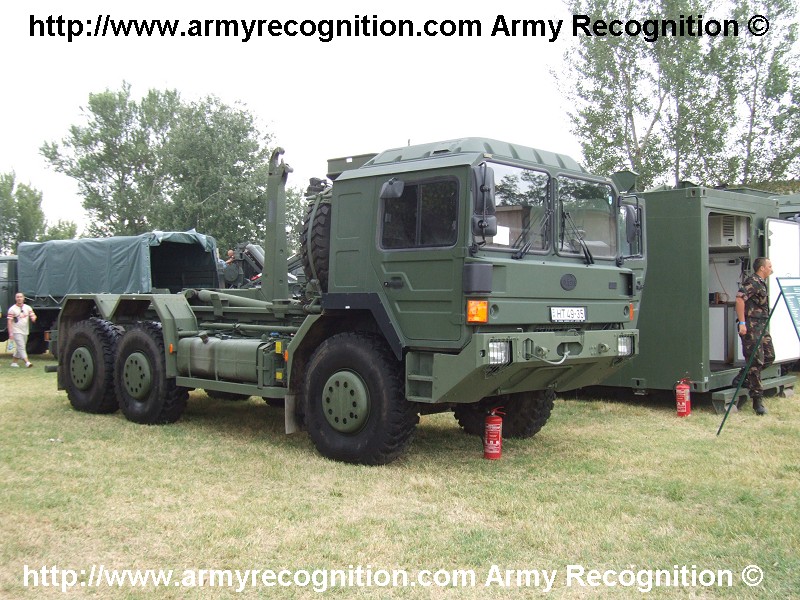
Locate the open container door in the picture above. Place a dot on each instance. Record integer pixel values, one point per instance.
(783, 249)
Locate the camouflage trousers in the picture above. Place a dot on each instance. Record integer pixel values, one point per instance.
(763, 355)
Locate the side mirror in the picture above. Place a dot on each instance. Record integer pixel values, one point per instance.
(632, 224)
(392, 189)
(484, 221)
(483, 188)
(484, 226)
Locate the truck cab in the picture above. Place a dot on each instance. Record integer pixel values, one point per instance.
(476, 245)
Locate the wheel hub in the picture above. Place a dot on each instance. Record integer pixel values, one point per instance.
(345, 402)
(81, 368)
(137, 375)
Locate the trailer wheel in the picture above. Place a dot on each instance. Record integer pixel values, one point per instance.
(230, 396)
(355, 407)
(525, 413)
(146, 395)
(89, 366)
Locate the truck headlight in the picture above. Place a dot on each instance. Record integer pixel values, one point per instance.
(625, 345)
(499, 353)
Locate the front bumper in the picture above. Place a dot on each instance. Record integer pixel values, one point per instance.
(531, 361)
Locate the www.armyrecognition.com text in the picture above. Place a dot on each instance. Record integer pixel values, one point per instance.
(370, 27)
(643, 580)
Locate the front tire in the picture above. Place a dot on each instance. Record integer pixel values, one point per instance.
(146, 395)
(524, 413)
(89, 366)
(355, 407)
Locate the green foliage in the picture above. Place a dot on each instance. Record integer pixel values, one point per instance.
(295, 215)
(115, 159)
(165, 163)
(619, 103)
(61, 230)
(701, 108)
(216, 161)
(768, 138)
(21, 215)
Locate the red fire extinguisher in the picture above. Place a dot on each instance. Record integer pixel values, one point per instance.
(493, 435)
(683, 398)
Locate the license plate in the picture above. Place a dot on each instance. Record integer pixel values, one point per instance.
(567, 314)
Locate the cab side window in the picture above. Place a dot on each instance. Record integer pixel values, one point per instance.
(425, 216)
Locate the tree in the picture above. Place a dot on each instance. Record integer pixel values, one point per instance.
(767, 141)
(8, 214)
(619, 101)
(60, 230)
(216, 161)
(21, 215)
(295, 216)
(700, 91)
(713, 109)
(163, 163)
(116, 159)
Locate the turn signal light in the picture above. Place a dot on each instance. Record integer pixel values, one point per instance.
(477, 311)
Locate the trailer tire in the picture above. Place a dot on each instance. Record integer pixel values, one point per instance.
(89, 366)
(316, 250)
(146, 395)
(229, 396)
(525, 413)
(355, 408)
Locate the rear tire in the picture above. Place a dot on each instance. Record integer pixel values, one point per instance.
(146, 395)
(355, 410)
(525, 413)
(89, 366)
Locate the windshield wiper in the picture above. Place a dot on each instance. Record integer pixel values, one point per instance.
(543, 225)
(522, 251)
(586, 253)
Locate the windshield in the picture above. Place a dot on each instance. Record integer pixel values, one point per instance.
(522, 209)
(587, 218)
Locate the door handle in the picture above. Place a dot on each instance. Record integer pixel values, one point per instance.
(395, 283)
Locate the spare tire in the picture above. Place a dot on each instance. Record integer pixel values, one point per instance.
(315, 248)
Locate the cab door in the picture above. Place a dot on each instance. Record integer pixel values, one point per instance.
(419, 262)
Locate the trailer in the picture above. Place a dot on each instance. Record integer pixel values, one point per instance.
(701, 244)
(46, 272)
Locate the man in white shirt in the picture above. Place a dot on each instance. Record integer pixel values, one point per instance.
(19, 317)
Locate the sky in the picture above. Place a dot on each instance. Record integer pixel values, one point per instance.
(319, 100)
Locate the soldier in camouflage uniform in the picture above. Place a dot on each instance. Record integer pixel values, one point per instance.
(752, 313)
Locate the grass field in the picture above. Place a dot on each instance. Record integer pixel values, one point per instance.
(605, 485)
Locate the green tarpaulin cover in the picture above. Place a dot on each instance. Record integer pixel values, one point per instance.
(124, 264)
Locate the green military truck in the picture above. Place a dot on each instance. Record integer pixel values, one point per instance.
(46, 272)
(457, 276)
